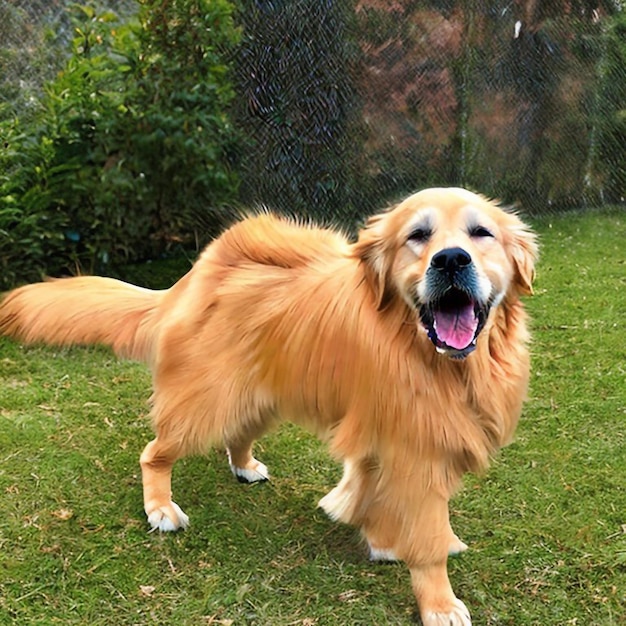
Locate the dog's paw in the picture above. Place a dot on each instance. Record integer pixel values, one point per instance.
(457, 616)
(331, 505)
(456, 547)
(339, 504)
(168, 518)
(254, 472)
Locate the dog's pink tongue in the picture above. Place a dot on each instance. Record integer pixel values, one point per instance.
(456, 329)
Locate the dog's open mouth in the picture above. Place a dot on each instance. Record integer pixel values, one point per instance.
(453, 322)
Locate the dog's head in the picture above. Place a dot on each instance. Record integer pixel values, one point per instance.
(452, 256)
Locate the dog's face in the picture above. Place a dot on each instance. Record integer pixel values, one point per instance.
(452, 256)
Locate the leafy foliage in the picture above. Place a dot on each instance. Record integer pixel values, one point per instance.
(132, 145)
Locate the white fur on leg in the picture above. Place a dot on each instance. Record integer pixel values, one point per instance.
(340, 503)
(258, 472)
(382, 554)
(159, 519)
(456, 547)
(335, 504)
(459, 616)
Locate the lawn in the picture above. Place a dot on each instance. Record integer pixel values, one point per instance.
(546, 525)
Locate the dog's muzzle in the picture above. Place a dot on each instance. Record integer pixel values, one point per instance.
(453, 311)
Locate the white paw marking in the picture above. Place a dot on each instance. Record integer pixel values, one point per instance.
(339, 504)
(256, 474)
(160, 520)
(456, 547)
(330, 506)
(459, 616)
(259, 474)
(381, 554)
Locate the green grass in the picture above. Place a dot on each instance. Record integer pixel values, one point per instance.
(546, 525)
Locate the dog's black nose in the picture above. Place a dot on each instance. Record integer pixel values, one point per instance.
(451, 260)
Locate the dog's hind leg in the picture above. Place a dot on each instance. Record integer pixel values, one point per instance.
(346, 502)
(349, 501)
(156, 462)
(243, 465)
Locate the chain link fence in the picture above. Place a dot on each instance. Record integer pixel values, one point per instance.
(347, 105)
(354, 104)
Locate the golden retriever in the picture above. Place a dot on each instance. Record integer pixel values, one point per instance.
(406, 351)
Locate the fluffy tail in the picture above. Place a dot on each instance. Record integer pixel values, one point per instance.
(84, 310)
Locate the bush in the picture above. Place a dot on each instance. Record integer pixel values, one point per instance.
(131, 148)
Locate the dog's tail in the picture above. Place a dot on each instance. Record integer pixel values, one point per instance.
(84, 310)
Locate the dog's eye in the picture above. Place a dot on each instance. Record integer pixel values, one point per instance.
(480, 231)
(420, 235)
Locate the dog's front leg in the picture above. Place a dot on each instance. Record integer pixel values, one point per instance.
(412, 524)
(426, 545)
(435, 598)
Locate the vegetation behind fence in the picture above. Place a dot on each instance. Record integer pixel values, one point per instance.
(525, 101)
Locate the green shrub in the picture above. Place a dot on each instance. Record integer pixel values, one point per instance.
(131, 149)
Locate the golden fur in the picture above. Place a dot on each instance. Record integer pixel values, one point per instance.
(282, 321)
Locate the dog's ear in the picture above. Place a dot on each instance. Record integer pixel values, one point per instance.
(523, 251)
(372, 250)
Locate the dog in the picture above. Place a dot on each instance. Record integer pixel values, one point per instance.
(406, 350)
